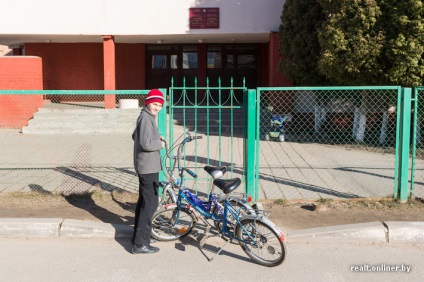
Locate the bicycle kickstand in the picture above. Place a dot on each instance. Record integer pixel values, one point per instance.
(205, 236)
(220, 249)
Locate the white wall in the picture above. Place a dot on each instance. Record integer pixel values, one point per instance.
(134, 17)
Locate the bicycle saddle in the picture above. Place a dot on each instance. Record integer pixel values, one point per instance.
(215, 171)
(227, 185)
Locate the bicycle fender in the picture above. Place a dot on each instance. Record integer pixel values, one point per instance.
(268, 222)
(244, 203)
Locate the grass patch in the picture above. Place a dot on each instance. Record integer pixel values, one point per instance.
(386, 203)
(124, 196)
(281, 202)
(325, 201)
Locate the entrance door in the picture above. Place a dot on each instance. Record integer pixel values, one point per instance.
(233, 61)
(167, 62)
(225, 61)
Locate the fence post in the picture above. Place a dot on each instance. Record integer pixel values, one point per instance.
(401, 185)
(249, 143)
(162, 130)
(414, 137)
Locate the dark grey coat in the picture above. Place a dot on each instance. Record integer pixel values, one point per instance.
(147, 144)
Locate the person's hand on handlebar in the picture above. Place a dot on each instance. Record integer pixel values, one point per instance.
(163, 141)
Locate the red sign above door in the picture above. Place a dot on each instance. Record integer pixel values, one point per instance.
(201, 18)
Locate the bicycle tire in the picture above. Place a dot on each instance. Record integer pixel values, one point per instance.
(165, 199)
(165, 226)
(269, 250)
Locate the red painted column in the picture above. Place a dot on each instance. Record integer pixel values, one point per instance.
(109, 69)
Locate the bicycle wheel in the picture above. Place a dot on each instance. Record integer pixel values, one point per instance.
(169, 224)
(261, 243)
(166, 199)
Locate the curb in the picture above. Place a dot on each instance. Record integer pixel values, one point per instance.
(29, 227)
(72, 228)
(405, 232)
(371, 232)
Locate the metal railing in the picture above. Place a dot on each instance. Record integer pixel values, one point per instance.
(69, 143)
(293, 143)
(218, 114)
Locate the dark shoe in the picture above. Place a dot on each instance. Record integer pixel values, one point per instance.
(152, 240)
(144, 249)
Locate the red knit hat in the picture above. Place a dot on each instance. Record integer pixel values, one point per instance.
(154, 95)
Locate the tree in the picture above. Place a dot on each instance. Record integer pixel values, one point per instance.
(404, 62)
(300, 49)
(352, 41)
(299, 43)
(405, 46)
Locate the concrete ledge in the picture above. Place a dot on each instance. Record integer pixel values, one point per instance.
(72, 228)
(405, 232)
(374, 232)
(29, 227)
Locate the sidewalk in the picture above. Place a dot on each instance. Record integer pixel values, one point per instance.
(371, 232)
(287, 170)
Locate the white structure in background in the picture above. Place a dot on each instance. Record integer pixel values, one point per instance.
(5, 51)
(135, 21)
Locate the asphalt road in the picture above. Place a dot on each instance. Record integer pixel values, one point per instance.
(110, 260)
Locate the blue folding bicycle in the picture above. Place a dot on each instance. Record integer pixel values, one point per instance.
(234, 221)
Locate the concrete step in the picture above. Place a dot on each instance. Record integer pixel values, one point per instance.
(96, 120)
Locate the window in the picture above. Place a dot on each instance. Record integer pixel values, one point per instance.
(159, 62)
(174, 62)
(189, 60)
(246, 61)
(230, 61)
(214, 60)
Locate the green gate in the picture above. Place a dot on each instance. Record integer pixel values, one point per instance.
(218, 114)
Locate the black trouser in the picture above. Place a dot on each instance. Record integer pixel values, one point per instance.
(146, 205)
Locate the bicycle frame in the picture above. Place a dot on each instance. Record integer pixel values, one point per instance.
(173, 181)
(202, 207)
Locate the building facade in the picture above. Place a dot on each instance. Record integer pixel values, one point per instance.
(143, 44)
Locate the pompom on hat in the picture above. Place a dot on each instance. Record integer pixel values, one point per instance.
(153, 96)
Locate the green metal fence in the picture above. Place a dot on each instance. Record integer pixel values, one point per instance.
(71, 144)
(417, 146)
(327, 142)
(217, 113)
(292, 143)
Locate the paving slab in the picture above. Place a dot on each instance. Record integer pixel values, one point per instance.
(371, 232)
(405, 232)
(72, 228)
(29, 227)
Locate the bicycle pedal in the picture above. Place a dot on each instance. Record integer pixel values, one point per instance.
(207, 229)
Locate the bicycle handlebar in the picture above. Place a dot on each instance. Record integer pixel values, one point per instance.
(189, 172)
(177, 158)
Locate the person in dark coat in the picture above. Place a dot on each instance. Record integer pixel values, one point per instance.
(147, 164)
